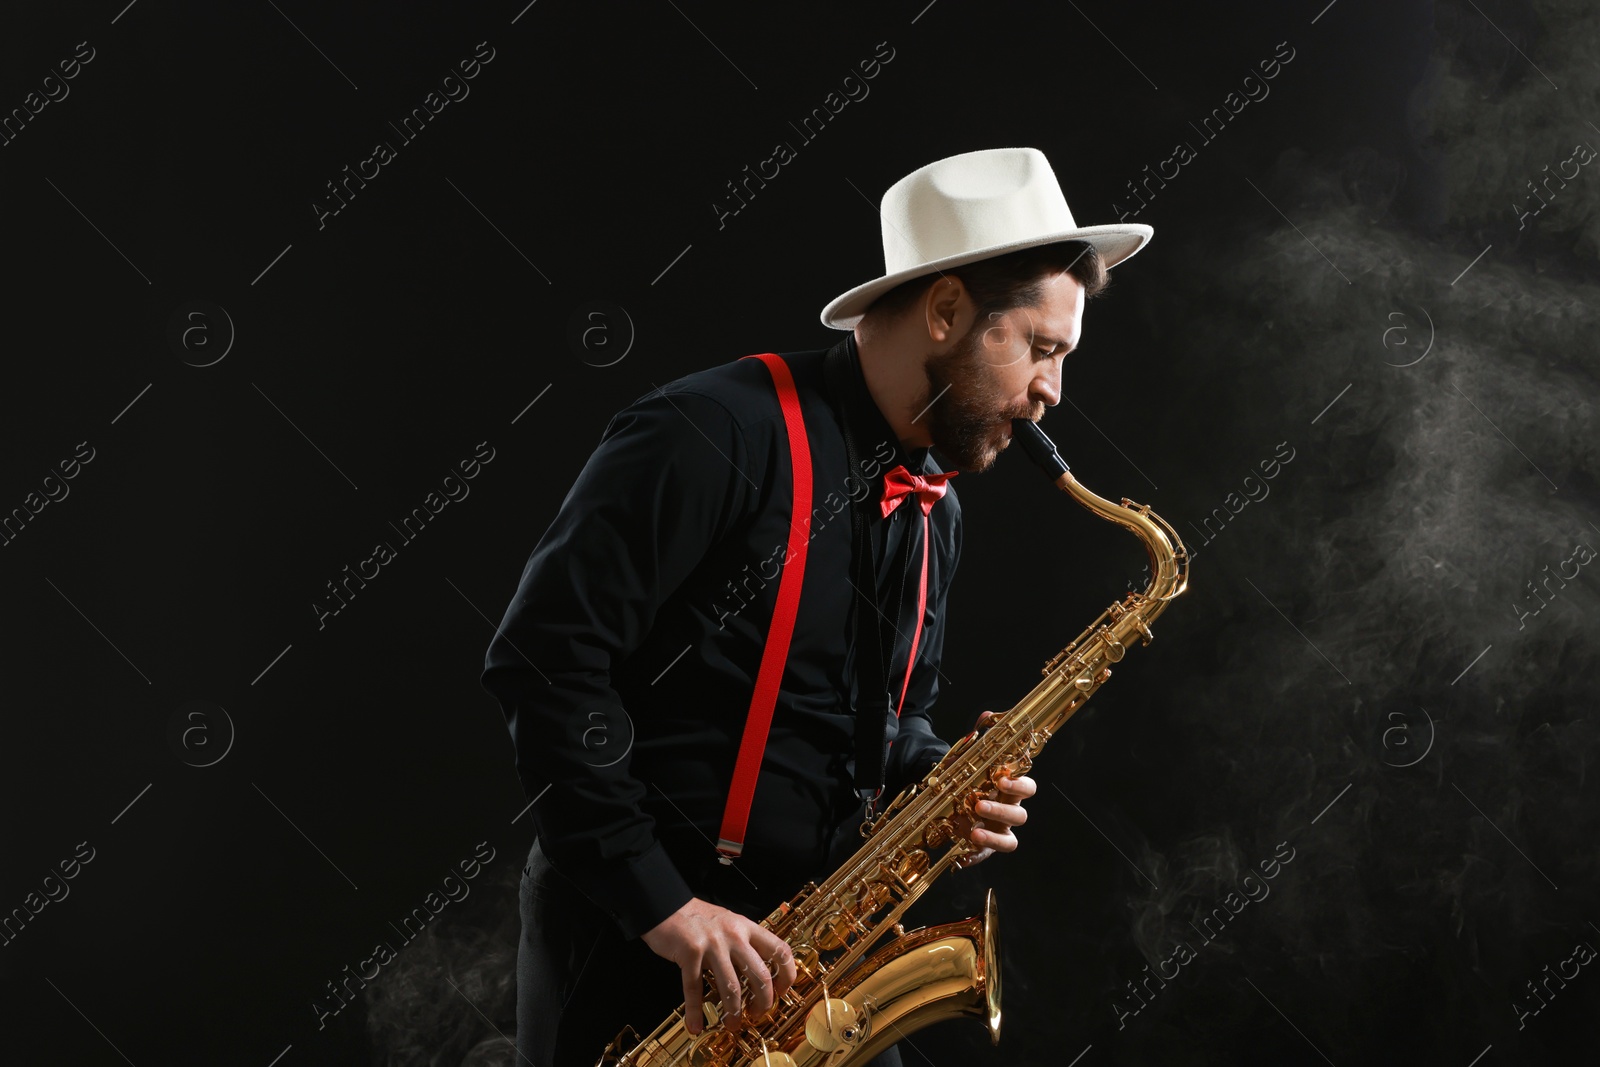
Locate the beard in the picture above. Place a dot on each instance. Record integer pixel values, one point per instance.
(965, 412)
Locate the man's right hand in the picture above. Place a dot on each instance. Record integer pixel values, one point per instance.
(701, 936)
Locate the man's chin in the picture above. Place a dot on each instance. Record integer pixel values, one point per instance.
(974, 464)
(981, 455)
(993, 447)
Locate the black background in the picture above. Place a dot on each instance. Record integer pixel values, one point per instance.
(1351, 672)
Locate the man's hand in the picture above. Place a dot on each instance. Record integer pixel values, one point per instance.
(701, 936)
(992, 830)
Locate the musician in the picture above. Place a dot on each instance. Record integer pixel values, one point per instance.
(626, 662)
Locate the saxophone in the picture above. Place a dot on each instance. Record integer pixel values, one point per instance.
(846, 1006)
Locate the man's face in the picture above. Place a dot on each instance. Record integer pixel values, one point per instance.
(1008, 367)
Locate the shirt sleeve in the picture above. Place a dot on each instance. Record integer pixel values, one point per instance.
(667, 480)
(916, 747)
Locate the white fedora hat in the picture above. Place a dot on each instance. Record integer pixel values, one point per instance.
(970, 207)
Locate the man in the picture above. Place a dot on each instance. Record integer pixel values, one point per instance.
(626, 662)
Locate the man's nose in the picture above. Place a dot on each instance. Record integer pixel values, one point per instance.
(1047, 383)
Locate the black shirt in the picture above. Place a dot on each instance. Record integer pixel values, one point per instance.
(626, 661)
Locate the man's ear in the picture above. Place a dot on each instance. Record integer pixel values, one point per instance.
(946, 307)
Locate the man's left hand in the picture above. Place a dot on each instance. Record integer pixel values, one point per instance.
(992, 830)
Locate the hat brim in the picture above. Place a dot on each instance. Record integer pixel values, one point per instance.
(1114, 241)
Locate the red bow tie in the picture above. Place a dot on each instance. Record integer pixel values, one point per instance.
(900, 483)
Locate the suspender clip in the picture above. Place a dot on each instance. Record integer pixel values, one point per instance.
(869, 797)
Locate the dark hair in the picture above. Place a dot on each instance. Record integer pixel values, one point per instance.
(1013, 280)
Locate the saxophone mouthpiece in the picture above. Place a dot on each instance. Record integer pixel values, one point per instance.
(1039, 448)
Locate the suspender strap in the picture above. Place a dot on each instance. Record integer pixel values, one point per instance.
(753, 743)
(922, 606)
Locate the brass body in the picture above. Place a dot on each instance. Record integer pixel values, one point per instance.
(846, 1006)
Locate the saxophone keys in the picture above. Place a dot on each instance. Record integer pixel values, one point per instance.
(937, 833)
(1115, 649)
(714, 1045)
(871, 898)
(831, 932)
(914, 865)
(1013, 770)
(806, 958)
(834, 1024)
(1086, 683)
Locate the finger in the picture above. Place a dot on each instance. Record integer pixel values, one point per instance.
(780, 960)
(727, 982)
(999, 841)
(1017, 788)
(694, 992)
(757, 979)
(1001, 814)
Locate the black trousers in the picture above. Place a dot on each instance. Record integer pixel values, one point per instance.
(579, 982)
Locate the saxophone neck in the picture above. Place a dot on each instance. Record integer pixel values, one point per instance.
(1169, 559)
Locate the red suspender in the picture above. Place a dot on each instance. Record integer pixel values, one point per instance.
(736, 815)
(916, 635)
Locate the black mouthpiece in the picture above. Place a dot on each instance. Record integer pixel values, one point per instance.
(1039, 448)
